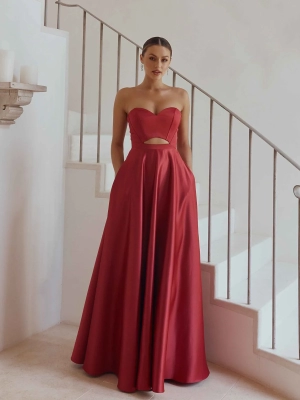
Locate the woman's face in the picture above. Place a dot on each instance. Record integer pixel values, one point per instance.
(156, 58)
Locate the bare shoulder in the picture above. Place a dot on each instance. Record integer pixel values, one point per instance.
(121, 98)
(183, 97)
(126, 93)
(122, 93)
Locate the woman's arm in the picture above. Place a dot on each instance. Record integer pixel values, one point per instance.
(183, 146)
(119, 130)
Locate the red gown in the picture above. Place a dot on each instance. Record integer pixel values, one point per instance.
(142, 318)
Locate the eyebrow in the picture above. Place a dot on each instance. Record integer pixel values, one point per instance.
(151, 54)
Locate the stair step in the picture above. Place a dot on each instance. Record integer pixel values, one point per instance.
(261, 295)
(261, 283)
(286, 342)
(287, 338)
(261, 253)
(219, 218)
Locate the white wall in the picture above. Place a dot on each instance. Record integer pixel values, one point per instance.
(85, 215)
(32, 154)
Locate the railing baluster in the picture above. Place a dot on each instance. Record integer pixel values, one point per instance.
(299, 272)
(174, 78)
(58, 14)
(192, 115)
(229, 210)
(82, 85)
(100, 91)
(118, 61)
(137, 61)
(45, 12)
(209, 181)
(274, 255)
(249, 217)
(296, 191)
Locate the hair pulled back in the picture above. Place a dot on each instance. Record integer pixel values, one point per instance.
(156, 40)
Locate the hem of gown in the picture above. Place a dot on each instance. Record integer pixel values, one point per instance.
(139, 388)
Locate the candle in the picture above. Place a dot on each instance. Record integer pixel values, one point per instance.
(29, 74)
(7, 59)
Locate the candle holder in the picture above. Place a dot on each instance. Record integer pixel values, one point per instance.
(13, 95)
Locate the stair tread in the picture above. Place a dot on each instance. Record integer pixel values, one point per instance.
(261, 284)
(287, 339)
(215, 209)
(239, 244)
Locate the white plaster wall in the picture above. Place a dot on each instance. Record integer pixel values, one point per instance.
(85, 216)
(32, 155)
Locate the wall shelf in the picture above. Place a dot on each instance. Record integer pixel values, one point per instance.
(13, 95)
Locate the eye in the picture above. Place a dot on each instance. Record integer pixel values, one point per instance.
(151, 58)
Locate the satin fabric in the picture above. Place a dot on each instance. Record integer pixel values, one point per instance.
(142, 318)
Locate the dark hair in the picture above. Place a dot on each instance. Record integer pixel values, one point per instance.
(156, 40)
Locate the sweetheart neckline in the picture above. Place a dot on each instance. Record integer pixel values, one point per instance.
(142, 108)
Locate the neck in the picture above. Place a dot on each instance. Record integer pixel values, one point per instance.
(152, 84)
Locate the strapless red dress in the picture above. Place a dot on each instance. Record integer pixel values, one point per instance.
(142, 318)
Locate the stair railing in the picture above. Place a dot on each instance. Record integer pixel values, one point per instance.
(231, 114)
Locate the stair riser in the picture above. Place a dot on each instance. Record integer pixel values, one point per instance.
(285, 301)
(260, 255)
(290, 327)
(219, 227)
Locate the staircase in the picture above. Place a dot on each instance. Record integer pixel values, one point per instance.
(251, 316)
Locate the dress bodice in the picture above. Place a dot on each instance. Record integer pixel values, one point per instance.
(145, 125)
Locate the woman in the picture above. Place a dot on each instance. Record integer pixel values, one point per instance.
(142, 319)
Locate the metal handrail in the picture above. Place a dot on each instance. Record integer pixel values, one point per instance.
(252, 130)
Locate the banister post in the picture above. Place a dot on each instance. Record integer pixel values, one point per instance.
(58, 13)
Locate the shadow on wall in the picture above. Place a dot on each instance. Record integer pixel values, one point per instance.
(18, 277)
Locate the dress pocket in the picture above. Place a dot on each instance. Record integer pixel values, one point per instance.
(119, 170)
(190, 171)
(186, 167)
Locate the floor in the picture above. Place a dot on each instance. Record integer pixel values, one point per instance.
(40, 368)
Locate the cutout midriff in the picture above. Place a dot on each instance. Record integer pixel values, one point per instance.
(156, 141)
